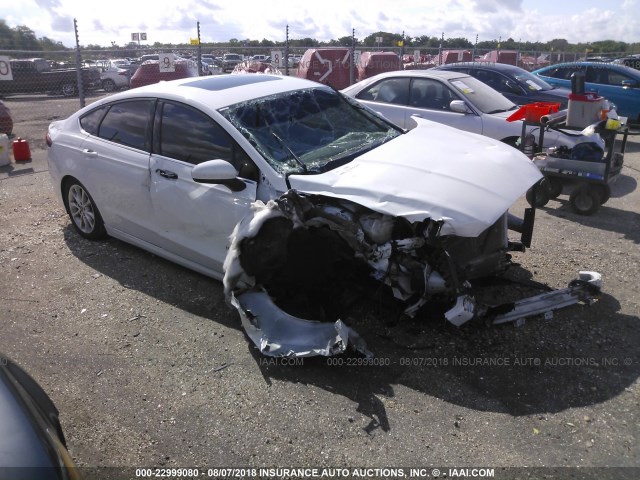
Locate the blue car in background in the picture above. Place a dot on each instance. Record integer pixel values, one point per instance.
(515, 83)
(617, 83)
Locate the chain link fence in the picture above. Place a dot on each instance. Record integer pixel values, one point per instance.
(41, 86)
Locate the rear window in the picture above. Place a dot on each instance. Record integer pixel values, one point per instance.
(125, 123)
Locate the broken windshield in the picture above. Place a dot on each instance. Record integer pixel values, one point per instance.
(310, 130)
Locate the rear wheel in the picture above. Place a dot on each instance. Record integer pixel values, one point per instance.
(585, 200)
(83, 211)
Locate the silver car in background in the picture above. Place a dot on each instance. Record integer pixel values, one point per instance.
(452, 98)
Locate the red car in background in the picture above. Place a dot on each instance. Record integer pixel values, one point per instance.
(6, 122)
(149, 72)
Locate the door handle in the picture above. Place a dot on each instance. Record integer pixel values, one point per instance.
(90, 153)
(166, 174)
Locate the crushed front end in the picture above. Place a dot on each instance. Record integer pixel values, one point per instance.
(297, 266)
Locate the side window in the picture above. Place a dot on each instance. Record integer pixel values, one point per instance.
(393, 90)
(189, 135)
(428, 93)
(91, 121)
(494, 80)
(596, 75)
(559, 72)
(127, 123)
(616, 78)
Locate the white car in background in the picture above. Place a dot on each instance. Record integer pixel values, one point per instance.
(114, 74)
(452, 98)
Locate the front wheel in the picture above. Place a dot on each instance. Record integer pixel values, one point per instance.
(83, 211)
(68, 89)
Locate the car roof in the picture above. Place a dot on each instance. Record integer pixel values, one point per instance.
(500, 67)
(216, 92)
(431, 73)
(613, 66)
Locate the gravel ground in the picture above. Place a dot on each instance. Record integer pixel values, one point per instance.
(150, 368)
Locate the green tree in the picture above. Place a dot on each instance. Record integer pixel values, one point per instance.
(7, 37)
(26, 38)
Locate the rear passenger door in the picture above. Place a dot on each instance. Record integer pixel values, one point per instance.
(116, 153)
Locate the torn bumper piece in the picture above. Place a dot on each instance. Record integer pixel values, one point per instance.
(583, 289)
(278, 334)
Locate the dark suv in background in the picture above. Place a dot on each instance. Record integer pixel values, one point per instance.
(230, 60)
(515, 83)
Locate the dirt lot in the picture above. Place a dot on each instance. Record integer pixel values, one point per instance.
(150, 368)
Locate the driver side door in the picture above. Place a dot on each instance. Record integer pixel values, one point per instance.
(195, 219)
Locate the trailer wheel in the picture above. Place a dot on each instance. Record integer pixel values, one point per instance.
(554, 187)
(585, 200)
(605, 193)
(541, 194)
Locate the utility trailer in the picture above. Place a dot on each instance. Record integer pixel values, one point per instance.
(586, 171)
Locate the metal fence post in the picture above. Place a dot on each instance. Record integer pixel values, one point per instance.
(352, 61)
(79, 66)
(286, 53)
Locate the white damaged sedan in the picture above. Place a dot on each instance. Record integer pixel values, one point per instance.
(290, 193)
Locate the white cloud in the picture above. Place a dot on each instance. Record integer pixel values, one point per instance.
(163, 21)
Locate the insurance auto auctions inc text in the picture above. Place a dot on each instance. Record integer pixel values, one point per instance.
(371, 473)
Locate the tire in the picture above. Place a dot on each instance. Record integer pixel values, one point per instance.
(541, 194)
(605, 193)
(585, 200)
(108, 85)
(554, 187)
(68, 89)
(83, 212)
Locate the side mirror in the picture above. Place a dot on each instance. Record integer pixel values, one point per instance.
(218, 172)
(459, 106)
(629, 84)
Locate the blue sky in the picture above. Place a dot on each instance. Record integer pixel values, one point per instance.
(170, 21)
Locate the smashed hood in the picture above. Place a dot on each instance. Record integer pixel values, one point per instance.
(431, 173)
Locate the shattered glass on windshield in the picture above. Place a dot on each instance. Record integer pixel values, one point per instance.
(308, 131)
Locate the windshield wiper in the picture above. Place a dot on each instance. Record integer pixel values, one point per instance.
(295, 157)
(500, 110)
(286, 147)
